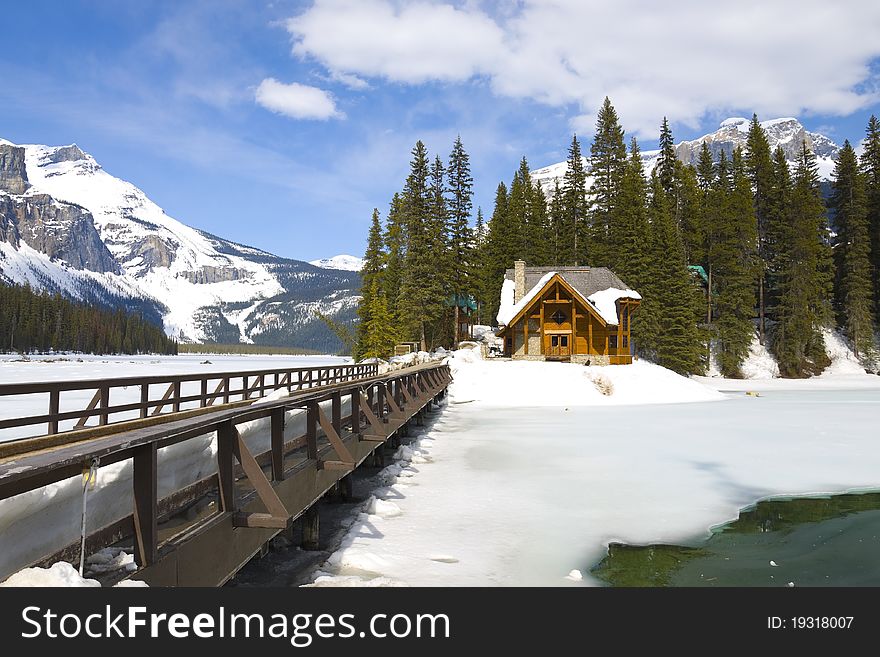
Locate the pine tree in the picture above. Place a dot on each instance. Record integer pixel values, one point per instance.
(395, 239)
(760, 170)
(575, 209)
(853, 290)
(380, 335)
(479, 266)
(629, 234)
(690, 213)
(668, 328)
(705, 167)
(461, 192)
(667, 159)
(500, 251)
(870, 163)
(371, 279)
(734, 259)
(539, 228)
(556, 223)
(803, 292)
(421, 291)
(607, 164)
(778, 229)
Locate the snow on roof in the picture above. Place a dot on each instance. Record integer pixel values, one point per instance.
(508, 309)
(605, 301)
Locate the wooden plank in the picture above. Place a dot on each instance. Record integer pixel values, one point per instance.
(375, 422)
(259, 521)
(216, 393)
(95, 399)
(258, 479)
(335, 441)
(277, 440)
(165, 398)
(395, 409)
(312, 430)
(146, 513)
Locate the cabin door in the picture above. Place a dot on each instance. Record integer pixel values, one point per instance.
(558, 345)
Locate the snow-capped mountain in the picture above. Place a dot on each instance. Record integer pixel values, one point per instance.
(67, 225)
(342, 261)
(785, 132)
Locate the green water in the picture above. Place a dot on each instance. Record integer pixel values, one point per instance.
(831, 541)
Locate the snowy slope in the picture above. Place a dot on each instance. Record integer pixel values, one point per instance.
(343, 262)
(205, 288)
(786, 132)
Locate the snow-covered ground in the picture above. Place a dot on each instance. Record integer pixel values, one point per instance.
(531, 470)
(61, 367)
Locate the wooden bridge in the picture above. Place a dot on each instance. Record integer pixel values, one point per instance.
(346, 413)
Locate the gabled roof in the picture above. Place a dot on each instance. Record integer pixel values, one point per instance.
(586, 280)
(598, 289)
(510, 313)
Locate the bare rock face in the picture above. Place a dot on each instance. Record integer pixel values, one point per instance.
(60, 230)
(208, 274)
(13, 175)
(155, 252)
(71, 153)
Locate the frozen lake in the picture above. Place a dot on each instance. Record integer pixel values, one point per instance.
(499, 494)
(78, 367)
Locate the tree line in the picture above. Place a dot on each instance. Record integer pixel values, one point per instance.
(39, 321)
(780, 262)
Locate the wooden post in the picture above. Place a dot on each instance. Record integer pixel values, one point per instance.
(590, 348)
(225, 389)
(204, 393)
(355, 405)
(312, 430)
(311, 526)
(225, 438)
(525, 321)
(54, 404)
(336, 406)
(144, 481)
(176, 396)
(145, 399)
(278, 444)
(104, 403)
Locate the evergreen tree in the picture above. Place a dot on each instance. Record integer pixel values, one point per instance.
(422, 293)
(870, 163)
(574, 209)
(371, 273)
(479, 266)
(500, 251)
(669, 331)
(629, 235)
(380, 335)
(395, 240)
(667, 159)
(734, 265)
(760, 170)
(690, 213)
(461, 192)
(556, 222)
(705, 168)
(607, 164)
(853, 290)
(803, 293)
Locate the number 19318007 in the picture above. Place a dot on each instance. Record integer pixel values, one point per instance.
(810, 622)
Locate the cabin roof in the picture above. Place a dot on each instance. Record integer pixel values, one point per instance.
(586, 280)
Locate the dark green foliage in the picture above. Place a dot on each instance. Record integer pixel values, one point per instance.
(421, 290)
(666, 323)
(667, 159)
(803, 288)
(629, 229)
(734, 265)
(32, 321)
(342, 331)
(607, 164)
(371, 272)
(852, 254)
(870, 163)
(500, 250)
(573, 234)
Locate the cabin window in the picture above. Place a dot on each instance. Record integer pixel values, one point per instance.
(612, 341)
(554, 340)
(564, 340)
(625, 321)
(625, 342)
(558, 317)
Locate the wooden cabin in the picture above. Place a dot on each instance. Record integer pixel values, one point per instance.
(576, 314)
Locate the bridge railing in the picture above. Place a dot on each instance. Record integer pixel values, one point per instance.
(260, 490)
(140, 397)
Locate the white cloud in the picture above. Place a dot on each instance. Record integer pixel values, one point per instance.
(298, 101)
(685, 59)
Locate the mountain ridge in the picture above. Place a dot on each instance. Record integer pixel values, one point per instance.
(67, 225)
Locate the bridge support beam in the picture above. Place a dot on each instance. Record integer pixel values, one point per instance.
(311, 529)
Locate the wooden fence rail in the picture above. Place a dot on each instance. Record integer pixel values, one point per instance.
(164, 393)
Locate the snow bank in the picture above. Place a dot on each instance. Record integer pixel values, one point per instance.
(605, 301)
(526, 383)
(60, 574)
(760, 363)
(843, 360)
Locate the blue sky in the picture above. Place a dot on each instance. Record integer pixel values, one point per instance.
(282, 124)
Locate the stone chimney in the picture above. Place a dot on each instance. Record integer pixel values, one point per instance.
(519, 280)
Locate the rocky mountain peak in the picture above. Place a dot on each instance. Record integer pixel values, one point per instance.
(13, 173)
